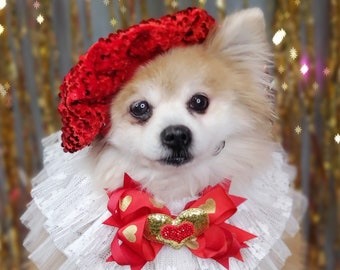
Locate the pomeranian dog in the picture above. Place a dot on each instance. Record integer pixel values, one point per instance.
(186, 120)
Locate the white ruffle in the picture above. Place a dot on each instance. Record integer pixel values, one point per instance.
(66, 214)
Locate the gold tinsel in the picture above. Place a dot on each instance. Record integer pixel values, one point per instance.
(309, 110)
(308, 105)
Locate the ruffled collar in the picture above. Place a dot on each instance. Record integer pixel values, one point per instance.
(69, 212)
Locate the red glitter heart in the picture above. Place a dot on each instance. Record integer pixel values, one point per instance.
(177, 233)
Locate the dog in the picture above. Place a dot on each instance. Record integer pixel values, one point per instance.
(186, 120)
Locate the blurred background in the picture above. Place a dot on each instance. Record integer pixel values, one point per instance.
(41, 40)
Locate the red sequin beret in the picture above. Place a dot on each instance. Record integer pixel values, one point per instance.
(88, 88)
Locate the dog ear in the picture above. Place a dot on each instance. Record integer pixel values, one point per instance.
(241, 37)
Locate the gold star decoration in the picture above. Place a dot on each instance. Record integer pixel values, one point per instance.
(2, 29)
(297, 2)
(281, 69)
(123, 9)
(2, 4)
(298, 129)
(3, 91)
(106, 2)
(279, 36)
(293, 53)
(286, 15)
(7, 86)
(326, 71)
(220, 3)
(113, 22)
(337, 138)
(304, 69)
(40, 19)
(280, 15)
(36, 4)
(284, 86)
(315, 86)
(174, 4)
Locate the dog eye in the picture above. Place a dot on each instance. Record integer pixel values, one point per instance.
(140, 110)
(198, 103)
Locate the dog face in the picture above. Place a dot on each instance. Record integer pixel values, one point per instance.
(174, 111)
(199, 112)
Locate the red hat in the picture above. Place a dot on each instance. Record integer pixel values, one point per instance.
(87, 90)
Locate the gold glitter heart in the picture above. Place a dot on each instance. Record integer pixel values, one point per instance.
(209, 206)
(125, 202)
(157, 222)
(130, 233)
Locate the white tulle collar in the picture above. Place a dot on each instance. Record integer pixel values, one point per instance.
(73, 236)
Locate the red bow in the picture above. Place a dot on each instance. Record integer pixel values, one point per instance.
(145, 226)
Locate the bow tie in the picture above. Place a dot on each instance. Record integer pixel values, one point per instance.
(144, 225)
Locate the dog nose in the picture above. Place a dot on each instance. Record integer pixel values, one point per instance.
(175, 137)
